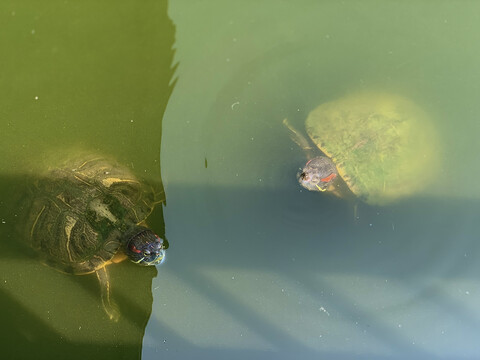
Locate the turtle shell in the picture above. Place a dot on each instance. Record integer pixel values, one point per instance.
(384, 146)
(82, 210)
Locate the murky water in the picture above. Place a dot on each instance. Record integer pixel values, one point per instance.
(256, 268)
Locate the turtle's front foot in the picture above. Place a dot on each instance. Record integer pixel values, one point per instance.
(112, 311)
(109, 305)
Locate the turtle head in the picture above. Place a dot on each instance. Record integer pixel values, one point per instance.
(318, 174)
(144, 247)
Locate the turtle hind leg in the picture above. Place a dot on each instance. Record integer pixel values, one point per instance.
(108, 304)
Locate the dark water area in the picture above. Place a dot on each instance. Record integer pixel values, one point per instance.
(77, 79)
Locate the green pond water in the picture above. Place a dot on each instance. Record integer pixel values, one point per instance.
(190, 95)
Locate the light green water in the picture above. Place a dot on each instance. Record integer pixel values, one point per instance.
(256, 268)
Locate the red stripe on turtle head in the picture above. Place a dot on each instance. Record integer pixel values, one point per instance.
(134, 249)
(329, 178)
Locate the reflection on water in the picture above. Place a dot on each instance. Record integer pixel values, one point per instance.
(87, 76)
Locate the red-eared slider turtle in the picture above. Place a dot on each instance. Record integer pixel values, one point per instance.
(89, 213)
(383, 146)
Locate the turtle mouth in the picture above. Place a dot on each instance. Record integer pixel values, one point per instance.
(310, 181)
(158, 259)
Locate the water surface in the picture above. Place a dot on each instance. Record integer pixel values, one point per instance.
(256, 268)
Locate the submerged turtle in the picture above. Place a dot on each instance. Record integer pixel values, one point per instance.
(89, 213)
(382, 146)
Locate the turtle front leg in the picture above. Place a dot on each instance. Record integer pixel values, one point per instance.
(108, 304)
(299, 139)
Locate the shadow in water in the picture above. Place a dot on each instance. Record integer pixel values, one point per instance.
(395, 265)
(56, 313)
(258, 231)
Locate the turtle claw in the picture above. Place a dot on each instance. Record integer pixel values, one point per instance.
(112, 311)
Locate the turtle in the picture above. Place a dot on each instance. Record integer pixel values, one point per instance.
(376, 146)
(88, 213)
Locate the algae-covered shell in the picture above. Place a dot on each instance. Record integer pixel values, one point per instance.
(384, 146)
